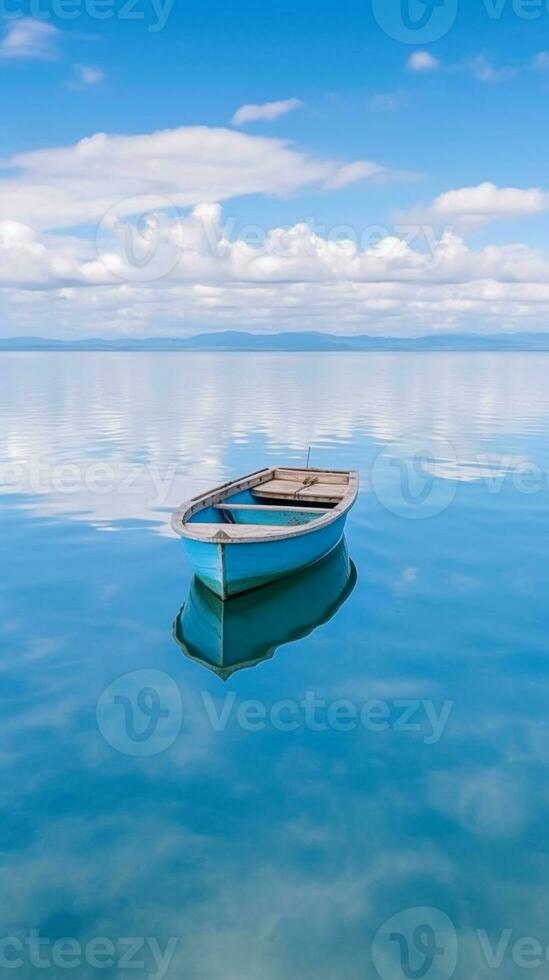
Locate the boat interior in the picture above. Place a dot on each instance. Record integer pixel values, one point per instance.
(282, 497)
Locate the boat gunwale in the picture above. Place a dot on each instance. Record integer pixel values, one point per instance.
(268, 534)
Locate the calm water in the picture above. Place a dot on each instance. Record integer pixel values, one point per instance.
(395, 760)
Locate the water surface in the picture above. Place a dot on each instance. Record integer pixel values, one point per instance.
(270, 851)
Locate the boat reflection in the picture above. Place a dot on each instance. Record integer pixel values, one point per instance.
(228, 636)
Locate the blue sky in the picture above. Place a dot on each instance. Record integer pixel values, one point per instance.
(377, 131)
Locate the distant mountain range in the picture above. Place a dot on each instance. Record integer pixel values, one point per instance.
(232, 340)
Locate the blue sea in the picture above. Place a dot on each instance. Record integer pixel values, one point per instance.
(364, 791)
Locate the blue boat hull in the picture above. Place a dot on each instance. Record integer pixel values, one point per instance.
(229, 636)
(230, 569)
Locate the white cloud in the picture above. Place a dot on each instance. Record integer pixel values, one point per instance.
(266, 111)
(481, 66)
(87, 75)
(474, 206)
(28, 39)
(422, 61)
(66, 186)
(484, 70)
(296, 279)
(350, 173)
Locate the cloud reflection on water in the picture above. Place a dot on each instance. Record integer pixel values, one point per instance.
(108, 439)
(275, 855)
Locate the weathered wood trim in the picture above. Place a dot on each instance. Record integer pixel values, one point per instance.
(259, 533)
(337, 477)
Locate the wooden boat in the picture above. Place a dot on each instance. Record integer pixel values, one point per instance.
(265, 526)
(229, 636)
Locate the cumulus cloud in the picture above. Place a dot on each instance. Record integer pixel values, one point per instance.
(28, 39)
(67, 186)
(295, 278)
(29, 261)
(171, 262)
(422, 61)
(266, 111)
(474, 206)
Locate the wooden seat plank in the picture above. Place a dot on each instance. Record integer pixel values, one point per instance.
(225, 532)
(322, 476)
(287, 490)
